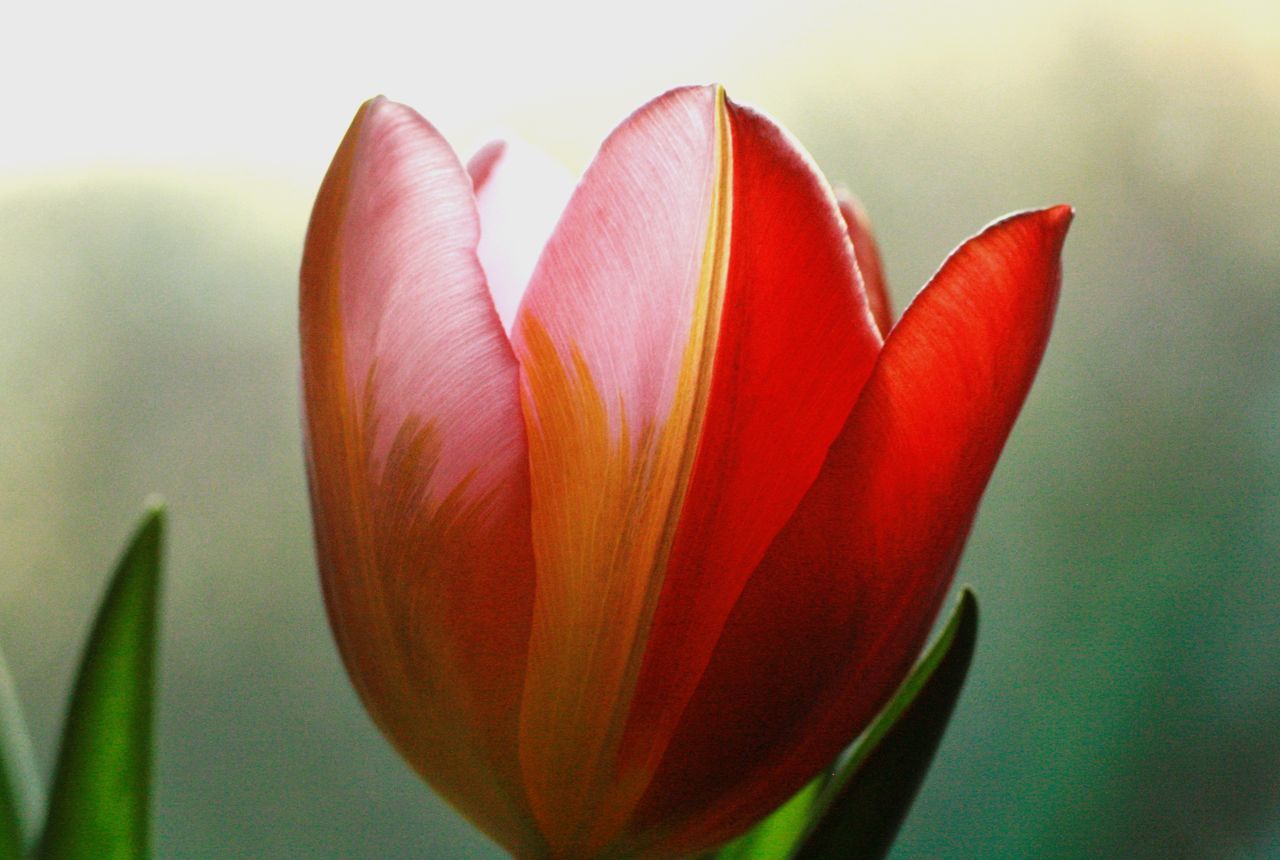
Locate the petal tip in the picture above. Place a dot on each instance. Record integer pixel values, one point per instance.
(481, 165)
(1052, 222)
(1057, 220)
(381, 111)
(847, 198)
(1061, 216)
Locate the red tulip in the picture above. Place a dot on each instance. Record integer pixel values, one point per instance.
(622, 581)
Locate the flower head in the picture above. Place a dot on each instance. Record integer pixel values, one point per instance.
(623, 577)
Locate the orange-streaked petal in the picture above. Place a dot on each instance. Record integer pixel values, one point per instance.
(867, 253)
(691, 344)
(520, 193)
(837, 612)
(417, 463)
(612, 337)
(796, 344)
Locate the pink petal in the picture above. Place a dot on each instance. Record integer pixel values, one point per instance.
(417, 463)
(616, 307)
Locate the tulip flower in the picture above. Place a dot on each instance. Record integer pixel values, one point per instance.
(623, 543)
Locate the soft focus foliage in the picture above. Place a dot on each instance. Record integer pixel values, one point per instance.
(1125, 699)
(99, 802)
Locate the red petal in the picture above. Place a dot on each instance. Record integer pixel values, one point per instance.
(837, 612)
(795, 345)
(417, 463)
(691, 343)
(869, 266)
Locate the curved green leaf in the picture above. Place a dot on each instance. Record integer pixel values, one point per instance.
(98, 806)
(864, 804)
(19, 785)
(775, 835)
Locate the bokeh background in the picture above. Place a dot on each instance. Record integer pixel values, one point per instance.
(156, 170)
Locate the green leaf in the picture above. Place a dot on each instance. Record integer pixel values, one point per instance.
(775, 835)
(864, 804)
(98, 806)
(20, 793)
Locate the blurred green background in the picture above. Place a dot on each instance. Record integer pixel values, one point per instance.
(155, 179)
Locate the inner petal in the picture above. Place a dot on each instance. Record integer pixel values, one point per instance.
(520, 193)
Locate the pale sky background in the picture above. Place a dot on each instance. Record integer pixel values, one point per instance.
(269, 88)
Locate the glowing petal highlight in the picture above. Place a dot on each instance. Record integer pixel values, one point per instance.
(520, 193)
